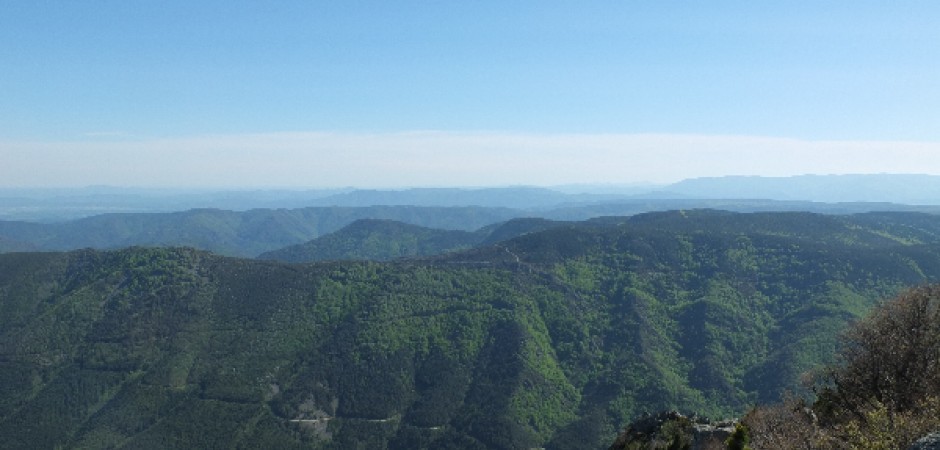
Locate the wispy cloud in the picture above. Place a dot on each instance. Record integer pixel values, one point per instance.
(422, 158)
(106, 134)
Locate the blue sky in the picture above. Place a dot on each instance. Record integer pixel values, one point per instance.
(172, 92)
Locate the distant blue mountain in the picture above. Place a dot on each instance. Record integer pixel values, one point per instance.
(503, 197)
(58, 204)
(906, 189)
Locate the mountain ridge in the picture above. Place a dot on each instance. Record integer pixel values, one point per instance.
(247, 233)
(56, 205)
(384, 239)
(250, 233)
(897, 188)
(553, 338)
(375, 240)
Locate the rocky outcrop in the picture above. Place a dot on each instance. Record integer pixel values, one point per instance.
(672, 430)
(929, 442)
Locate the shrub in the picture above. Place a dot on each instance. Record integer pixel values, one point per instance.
(891, 360)
(790, 425)
(884, 394)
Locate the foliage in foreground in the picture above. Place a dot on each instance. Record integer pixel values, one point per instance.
(886, 393)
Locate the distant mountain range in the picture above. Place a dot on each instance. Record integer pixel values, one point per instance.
(246, 233)
(258, 231)
(904, 189)
(50, 205)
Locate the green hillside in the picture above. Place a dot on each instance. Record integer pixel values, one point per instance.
(233, 233)
(384, 240)
(9, 245)
(552, 339)
(376, 240)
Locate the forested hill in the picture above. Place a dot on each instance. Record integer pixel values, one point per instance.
(254, 232)
(554, 339)
(383, 240)
(245, 233)
(376, 240)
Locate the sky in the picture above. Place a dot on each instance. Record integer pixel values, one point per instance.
(480, 93)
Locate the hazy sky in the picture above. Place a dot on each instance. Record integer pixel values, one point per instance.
(380, 93)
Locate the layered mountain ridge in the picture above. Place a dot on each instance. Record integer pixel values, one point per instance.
(553, 338)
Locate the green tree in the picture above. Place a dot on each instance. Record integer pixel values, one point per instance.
(891, 359)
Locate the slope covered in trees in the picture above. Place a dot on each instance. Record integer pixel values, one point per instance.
(551, 339)
(376, 240)
(881, 392)
(247, 233)
(383, 240)
(253, 232)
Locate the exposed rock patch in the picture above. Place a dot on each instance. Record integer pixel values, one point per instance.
(672, 430)
(929, 442)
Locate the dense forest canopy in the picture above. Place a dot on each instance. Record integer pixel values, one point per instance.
(555, 337)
